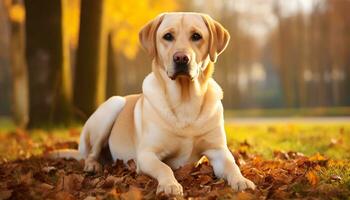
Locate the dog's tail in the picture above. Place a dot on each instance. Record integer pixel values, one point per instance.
(66, 153)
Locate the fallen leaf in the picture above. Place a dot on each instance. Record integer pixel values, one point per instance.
(281, 155)
(204, 179)
(133, 193)
(71, 182)
(45, 186)
(90, 198)
(64, 195)
(132, 165)
(317, 157)
(245, 196)
(27, 178)
(335, 178)
(110, 181)
(49, 169)
(5, 194)
(183, 172)
(312, 177)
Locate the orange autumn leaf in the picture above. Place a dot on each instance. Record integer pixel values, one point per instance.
(317, 157)
(312, 178)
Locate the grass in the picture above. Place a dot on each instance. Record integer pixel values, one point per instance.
(290, 112)
(329, 139)
(340, 168)
(6, 124)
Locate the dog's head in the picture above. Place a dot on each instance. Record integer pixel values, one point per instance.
(184, 43)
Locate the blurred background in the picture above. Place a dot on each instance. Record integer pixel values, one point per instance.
(60, 59)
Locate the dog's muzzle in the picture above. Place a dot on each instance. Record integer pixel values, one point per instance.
(181, 64)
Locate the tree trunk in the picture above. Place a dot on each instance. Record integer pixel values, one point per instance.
(90, 72)
(48, 63)
(18, 64)
(112, 78)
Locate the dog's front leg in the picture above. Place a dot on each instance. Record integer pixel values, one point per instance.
(149, 163)
(225, 167)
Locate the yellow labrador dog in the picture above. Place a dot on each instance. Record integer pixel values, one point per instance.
(178, 117)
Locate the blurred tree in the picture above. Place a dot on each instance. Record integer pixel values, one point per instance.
(127, 18)
(20, 97)
(5, 69)
(311, 52)
(339, 44)
(122, 20)
(71, 19)
(90, 72)
(112, 74)
(48, 63)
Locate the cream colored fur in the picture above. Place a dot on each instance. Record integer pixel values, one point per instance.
(172, 122)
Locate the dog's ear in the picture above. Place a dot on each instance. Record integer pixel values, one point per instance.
(218, 37)
(147, 35)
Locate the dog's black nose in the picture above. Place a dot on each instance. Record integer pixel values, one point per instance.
(181, 58)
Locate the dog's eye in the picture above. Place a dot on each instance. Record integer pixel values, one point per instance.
(196, 37)
(168, 37)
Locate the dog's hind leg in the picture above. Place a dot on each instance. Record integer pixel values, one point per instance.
(96, 131)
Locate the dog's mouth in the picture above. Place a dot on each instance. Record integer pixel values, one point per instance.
(180, 74)
(181, 71)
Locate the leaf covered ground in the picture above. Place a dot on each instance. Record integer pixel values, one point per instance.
(298, 161)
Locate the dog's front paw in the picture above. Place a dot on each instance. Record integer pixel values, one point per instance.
(239, 183)
(171, 188)
(92, 166)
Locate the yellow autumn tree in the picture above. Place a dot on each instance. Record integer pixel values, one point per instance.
(71, 17)
(125, 18)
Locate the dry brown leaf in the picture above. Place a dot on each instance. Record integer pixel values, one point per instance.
(71, 182)
(133, 193)
(132, 165)
(64, 195)
(206, 169)
(281, 155)
(280, 194)
(335, 178)
(49, 169)
(45, 186)
(90, 198)
(245, 196)
(204, 179)
(110, 181)
(5, 194)
(27, 178)
(183, 172)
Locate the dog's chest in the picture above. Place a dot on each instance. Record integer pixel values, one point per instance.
(185, 152)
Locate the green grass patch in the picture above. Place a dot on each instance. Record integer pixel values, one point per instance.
(290, 112)
(329, 139)
(6, 124)
(337, 173)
